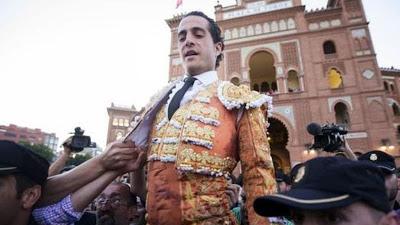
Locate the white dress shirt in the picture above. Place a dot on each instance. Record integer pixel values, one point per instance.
(202, 81)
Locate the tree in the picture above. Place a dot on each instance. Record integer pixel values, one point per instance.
(40, 149)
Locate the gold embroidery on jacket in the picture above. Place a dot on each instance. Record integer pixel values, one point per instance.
(204, 163)
(204, 114)
(197, 135)
(233, 96)
(205, 96)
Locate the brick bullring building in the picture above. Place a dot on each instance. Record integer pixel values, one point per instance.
(319, 66)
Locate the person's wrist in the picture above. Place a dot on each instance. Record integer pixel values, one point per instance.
(113, 173)
(65, 155)
(98, 160)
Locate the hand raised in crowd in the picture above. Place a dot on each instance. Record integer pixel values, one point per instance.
(118, 158)
(61, 161)
(348, 151)
(122, 156)
(137, 163)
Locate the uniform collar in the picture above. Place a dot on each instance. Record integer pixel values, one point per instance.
(207, 78)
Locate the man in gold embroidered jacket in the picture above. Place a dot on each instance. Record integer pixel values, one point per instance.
(191, 151)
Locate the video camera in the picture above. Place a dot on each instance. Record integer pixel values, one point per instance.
(328, 137)
(78, 141)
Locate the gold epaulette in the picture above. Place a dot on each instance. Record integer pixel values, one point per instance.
(236, 97)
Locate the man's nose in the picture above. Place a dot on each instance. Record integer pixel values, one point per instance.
(189, 41)
(105, 207)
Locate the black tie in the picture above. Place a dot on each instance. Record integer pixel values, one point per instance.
(176, 100)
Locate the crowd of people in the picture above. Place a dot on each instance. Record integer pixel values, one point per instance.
(180, 159)
(324, 190)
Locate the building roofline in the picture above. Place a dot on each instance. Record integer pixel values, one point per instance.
(175, 20)
(322, 11)
(390, 69)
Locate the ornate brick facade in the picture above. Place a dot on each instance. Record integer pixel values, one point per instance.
(319, 66)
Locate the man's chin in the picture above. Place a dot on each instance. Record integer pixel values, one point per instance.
(194, 70)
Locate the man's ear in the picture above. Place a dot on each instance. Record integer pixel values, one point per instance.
(219, 47)
(390, 219)
(30, 196)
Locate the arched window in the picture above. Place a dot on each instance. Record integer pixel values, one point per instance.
(398, 134)
(121, 122)
(291, 24)
(115, 122)
(262, 70)
(392, 87)
(242, 32)
(258, 29)
(267, 28)
(228, 35)
(274, 26)
(256, 88)
(335, 79)
(329, 47)
(126, 123)
(396, 109)
(386, 85)
(250, 30)
(235, 33)
(282, 25)
(274, 86)
(293, 81)
(342, 114)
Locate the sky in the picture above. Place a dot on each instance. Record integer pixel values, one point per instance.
(63, 62)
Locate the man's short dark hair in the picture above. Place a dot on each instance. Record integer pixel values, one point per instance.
(215, 32)
(23, 183)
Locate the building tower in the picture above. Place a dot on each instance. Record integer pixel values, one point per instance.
(119, 122)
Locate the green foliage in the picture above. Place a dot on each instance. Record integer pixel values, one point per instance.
(40, 149)
(78, 159)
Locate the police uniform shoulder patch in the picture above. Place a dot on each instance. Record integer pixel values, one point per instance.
(235, 97)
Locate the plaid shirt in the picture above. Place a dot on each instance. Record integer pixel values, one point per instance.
(60, 213)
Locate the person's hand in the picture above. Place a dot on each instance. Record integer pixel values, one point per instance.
(118, 155)
(136, 163)
(346, 145)
(348, 151)
(233, 192)
(67, 150)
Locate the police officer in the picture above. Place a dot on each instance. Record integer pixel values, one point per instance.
(386, 164)
(332, 190)
(22, 176)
